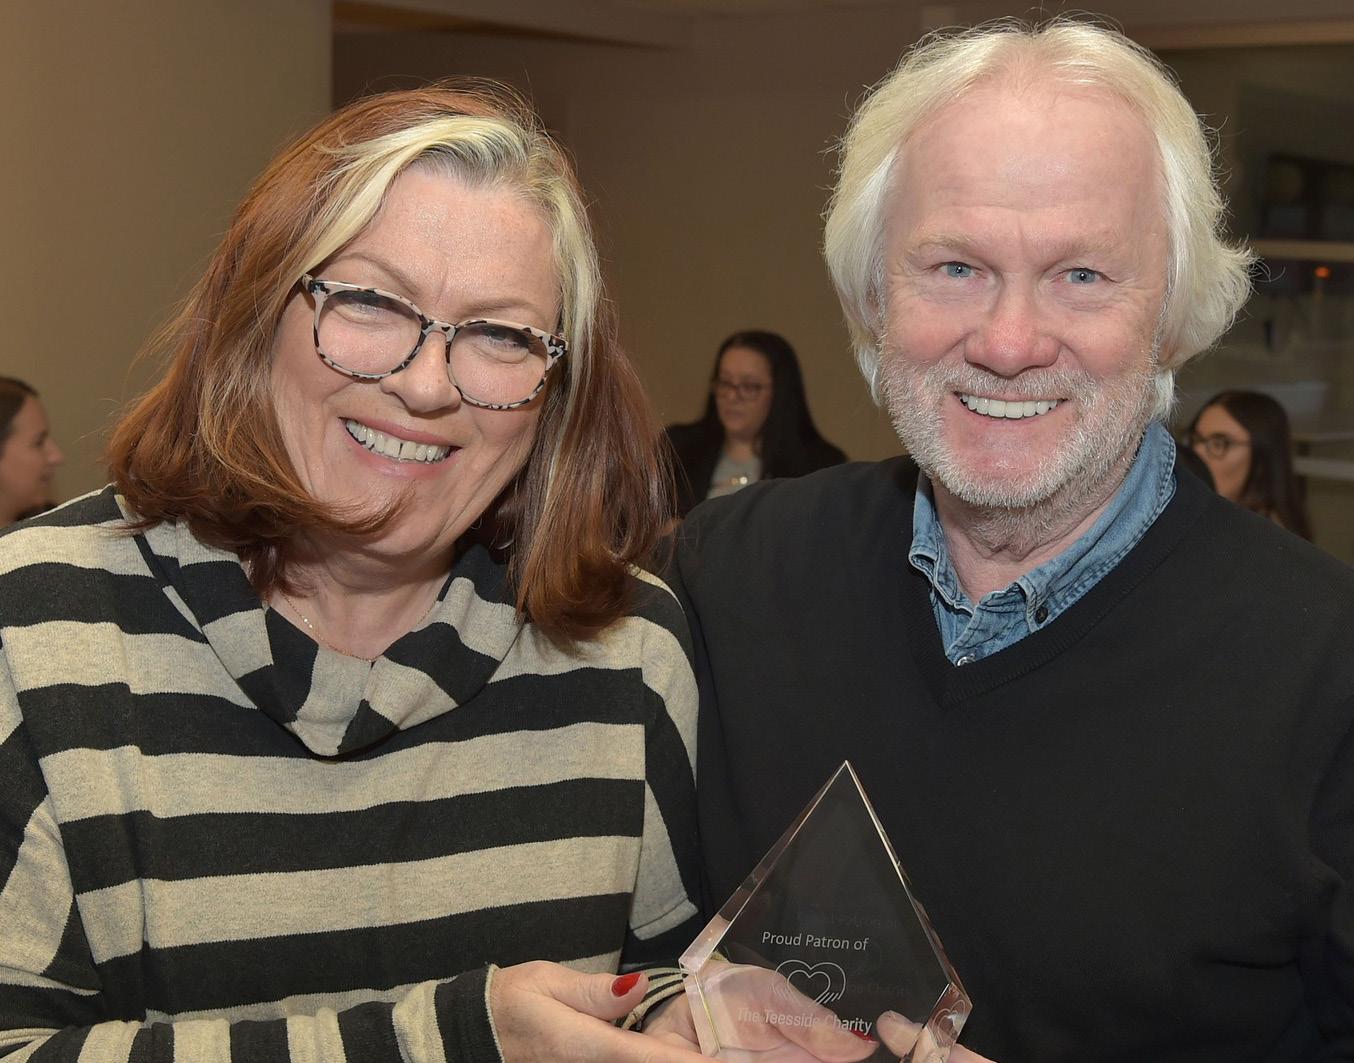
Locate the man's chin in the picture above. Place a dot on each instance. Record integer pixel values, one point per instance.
(983, 493)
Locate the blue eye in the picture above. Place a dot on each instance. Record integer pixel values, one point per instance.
(958, 270)
(1083, 276)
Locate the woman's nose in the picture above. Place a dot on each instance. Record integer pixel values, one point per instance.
(424, 385)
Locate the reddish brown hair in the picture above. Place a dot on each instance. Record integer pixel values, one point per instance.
(204, 446)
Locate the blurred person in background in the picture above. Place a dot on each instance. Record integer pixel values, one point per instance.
(29, 455)
(346, 723)
(1245, 440)
(756, 424)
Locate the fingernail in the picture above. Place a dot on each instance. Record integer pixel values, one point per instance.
(864, 1036)
(624, 984)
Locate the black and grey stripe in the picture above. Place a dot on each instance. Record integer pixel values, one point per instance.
(219, 840)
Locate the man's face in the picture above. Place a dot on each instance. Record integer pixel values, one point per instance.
(1025, 270)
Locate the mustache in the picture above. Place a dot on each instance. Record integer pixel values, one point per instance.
(1060, 383)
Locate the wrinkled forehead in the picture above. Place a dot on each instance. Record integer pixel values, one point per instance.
(1066, 154)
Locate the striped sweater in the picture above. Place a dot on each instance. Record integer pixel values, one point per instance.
(219, 840)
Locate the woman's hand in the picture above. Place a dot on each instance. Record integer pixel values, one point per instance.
(542, 1011)
(806, 1031)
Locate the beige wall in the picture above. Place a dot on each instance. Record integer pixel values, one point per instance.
(709, 167)
(130, 130)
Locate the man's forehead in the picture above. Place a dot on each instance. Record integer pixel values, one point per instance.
(1030, 153)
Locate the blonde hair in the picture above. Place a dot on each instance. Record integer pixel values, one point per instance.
(1206, 281)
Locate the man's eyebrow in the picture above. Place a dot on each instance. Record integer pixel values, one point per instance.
(1099, 245)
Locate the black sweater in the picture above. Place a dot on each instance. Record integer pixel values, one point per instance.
(1134, 829)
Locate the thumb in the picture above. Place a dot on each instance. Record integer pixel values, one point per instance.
(603, 996)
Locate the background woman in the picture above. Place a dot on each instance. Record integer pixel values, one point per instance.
(756, 424)
(28, 453)
(349, 690)
(1244, 438)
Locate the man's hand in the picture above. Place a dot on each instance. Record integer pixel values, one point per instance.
(900, 1037)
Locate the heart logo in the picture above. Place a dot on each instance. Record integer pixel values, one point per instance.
(823, 982)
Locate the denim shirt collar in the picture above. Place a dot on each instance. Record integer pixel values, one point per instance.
(1034, 600)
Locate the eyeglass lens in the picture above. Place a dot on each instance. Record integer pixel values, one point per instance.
(1215, 446)
(744, 389)
(367, 332)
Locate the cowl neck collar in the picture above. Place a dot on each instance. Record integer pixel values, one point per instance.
(333, 703)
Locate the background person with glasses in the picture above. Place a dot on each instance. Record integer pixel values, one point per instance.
(1244, 439)
(346, 724)
(756, 424)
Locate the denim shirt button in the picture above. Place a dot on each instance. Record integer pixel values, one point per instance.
(1041, 614)
(968, 658)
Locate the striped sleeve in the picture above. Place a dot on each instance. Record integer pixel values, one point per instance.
(53, 1005)
(663, 915)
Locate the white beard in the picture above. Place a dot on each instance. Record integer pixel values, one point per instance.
(1013, 503)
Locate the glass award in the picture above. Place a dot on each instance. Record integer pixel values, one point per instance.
(822, 939)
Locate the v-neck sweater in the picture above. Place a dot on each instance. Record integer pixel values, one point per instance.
(1133, 829)
(221, 840)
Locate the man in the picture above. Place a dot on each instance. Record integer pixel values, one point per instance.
(1104, 715)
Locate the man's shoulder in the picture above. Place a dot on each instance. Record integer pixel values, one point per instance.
(1241, 556)
(839, 494)
(803, 519)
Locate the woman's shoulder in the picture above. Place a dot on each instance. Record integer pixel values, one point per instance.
(89, 531)
(653, 603)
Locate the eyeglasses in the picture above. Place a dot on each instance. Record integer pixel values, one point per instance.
(371, 334)
(747, 390)
(1216, 445)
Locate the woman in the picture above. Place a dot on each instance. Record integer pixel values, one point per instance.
(756, 424)
(1244, 438)
(28, 453)
(349, 689)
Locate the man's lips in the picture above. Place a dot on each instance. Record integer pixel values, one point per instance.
(1008, 409)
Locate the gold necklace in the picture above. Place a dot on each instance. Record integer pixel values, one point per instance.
(315, 631)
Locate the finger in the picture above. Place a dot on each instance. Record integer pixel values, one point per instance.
(606, 1044)
(901, 1036)
(814, 1028)
(603, 996)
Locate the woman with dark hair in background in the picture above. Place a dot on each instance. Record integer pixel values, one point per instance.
(756, 425)
(28, 453)
(1244, 438)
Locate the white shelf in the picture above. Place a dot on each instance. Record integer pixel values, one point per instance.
(1305, 250)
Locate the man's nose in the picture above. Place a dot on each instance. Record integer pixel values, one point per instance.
(1014, 334)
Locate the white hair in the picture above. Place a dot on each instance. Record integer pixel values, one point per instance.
(1207, 279)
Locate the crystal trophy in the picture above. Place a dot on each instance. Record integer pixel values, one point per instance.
(822, 939)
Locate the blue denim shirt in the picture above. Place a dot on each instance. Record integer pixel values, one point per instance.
(1004, 617)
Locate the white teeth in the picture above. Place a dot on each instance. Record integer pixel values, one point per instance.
(1008, 409)
(392, 446)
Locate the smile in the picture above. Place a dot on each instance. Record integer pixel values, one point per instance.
(1010, 409)
(393, 446)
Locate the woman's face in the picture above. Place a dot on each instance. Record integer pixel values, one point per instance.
(1225, 447)
(28, 458)
(743, 392)
(457, 252)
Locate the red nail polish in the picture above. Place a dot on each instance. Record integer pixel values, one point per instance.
(624, 984)
(864, 1036)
